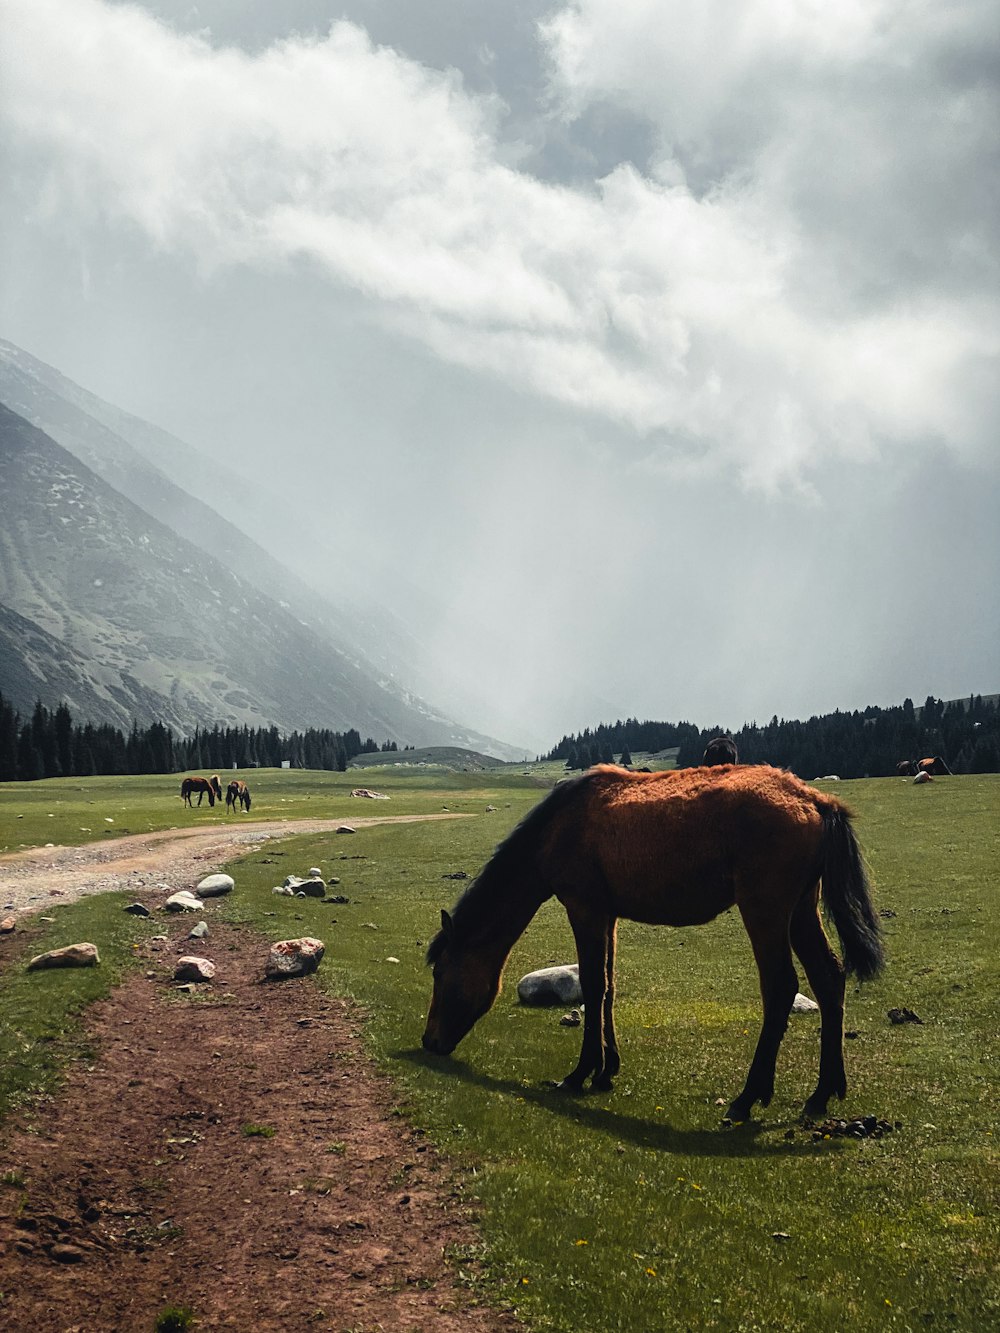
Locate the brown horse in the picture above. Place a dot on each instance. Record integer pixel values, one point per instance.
(210, 787)
(673, 848)
(237, 795)
(934, 767)
(720, 750)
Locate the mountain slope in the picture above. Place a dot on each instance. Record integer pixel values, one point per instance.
(185, 640)
(130, 455)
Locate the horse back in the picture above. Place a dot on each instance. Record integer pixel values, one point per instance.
(678, 848)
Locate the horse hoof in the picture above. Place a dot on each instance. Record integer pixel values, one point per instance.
(604, 1083)
(568, 1084)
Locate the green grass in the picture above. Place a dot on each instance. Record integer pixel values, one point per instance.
(636, 1210)
(70, 811)
(40, 1011)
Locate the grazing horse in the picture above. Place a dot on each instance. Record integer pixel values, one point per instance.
(720, 750)
(934, 767)
(906, 768)
(210, 787)
(237, 794)
(673, 848)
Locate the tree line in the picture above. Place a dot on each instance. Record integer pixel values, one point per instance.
(870, 743)
(50, 744)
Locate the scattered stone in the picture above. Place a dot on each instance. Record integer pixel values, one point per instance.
(215, 886)
(337, 898)
(571, 1020)
(67, 1254)
(886, 913)
(346, 828)
(491, 809)
(803, 1005)
(137, 909)
(456, 874)
(198, 932)
(292, 882)
(551, 985)
(391, 959)
(315, 872)
(183, 901)
(71, 955)
(865, 1127)
(368, 925)
(294, 958)
(314, 888)
(369, 795)
(285, 893)
(7, 925)
(780, 1235)
(191, 968)
(49, 920)
(898, 1016)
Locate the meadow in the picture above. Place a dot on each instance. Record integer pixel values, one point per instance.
(636, 1209)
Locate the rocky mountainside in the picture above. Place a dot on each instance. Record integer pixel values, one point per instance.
(192, 491)
(123, 450)
(109, 608)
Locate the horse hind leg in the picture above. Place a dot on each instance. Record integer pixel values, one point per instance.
(826, 977)
(612, 1057)
(778, 986)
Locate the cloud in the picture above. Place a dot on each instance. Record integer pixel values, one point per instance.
(737, 307)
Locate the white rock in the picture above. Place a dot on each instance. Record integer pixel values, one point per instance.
(183, 901)
(315, 872)
(803, 1005)
(214, 886)
(551, 985)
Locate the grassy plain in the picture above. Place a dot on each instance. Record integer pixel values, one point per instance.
(635, 1210)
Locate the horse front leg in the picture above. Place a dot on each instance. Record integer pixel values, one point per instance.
(592, 936)
(778, 985)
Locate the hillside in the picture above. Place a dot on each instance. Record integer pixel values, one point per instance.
(190, 491)
(144, 625)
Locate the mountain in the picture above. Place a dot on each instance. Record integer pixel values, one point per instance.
(123, 450)
(209, 502)
(109, 608)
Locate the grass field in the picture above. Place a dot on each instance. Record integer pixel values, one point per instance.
(635, 1210)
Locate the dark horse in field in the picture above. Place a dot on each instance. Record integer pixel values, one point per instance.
(237, 795)
(721, 750)
(210, 787)
(675, 849)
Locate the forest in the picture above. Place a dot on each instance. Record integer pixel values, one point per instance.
(869, 743)
(50, 744)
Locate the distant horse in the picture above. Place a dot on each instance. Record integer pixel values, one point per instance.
(672, 848)
(906, 768)
(210, 787)
(935, 766)
(237, 794)
(720, 750)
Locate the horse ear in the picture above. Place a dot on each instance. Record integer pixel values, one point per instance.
(447, 925)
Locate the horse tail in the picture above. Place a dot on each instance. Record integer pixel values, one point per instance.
(847, 893)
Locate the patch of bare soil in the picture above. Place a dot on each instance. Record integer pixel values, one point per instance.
(144, 1183)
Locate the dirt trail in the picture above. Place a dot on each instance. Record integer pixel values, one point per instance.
(170, 858)
(144, 1183)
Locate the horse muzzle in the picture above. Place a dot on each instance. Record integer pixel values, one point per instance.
(436, 1045)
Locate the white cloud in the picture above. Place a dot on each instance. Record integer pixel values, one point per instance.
(739, 321)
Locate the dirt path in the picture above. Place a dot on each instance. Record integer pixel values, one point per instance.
(144, 1183)
(170, 858)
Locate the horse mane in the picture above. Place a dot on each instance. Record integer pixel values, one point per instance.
(475, 910)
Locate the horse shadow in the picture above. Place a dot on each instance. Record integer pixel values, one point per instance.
(724, 1140)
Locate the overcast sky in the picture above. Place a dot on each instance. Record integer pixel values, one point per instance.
(656, 343)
